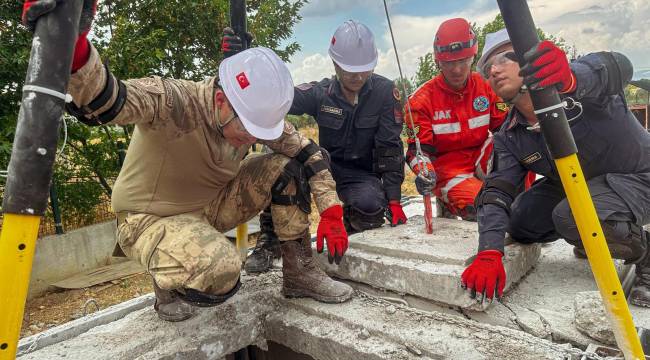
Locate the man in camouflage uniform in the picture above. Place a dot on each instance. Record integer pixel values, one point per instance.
(186, 178)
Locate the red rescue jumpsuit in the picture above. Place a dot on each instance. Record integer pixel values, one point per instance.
(455, 130)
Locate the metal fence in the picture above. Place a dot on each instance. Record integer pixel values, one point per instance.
(64, 213)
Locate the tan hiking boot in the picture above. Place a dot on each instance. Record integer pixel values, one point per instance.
(303, 278)
(169, 307)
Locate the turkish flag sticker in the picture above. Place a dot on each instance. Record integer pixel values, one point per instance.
(242, 80)
(333, 40)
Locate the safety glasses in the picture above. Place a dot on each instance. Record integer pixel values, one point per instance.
(233, 116)
(499, 59)
(351, 76)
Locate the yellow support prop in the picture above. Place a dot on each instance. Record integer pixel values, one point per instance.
(242, 240)
(599, 257)
(17, 246)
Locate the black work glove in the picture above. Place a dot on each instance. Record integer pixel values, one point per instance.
(231, 44)
(425, 183)
(33, 9)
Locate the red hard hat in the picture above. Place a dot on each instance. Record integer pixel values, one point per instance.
(455, 40)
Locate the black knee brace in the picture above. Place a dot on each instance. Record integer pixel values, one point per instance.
(300, 173)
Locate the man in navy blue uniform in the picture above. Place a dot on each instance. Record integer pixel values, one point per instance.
(359, 116)
(613, 149)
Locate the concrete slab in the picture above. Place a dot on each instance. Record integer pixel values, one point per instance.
(60, 256)
(406, 260)
(549, 290)
(364, 328)
(79, 326)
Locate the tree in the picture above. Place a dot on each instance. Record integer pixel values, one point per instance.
(182, 39)
(138, 38)
(427, 69)
(14, 55)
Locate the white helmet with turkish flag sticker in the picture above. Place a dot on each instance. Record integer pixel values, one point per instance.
(259, 86)
(353, 47)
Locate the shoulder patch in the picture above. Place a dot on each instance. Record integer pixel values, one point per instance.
(305, 86)
(501, 106)
(396, 94)
(531, 158)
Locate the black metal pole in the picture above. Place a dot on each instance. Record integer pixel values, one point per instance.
(56, 210)
(238, 20)
(551, 116)
(34, 147)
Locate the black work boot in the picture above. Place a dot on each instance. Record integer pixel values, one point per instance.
(267, 247)
(442, 211)
(301, 276)
(347, 213)
(579, 252)
(170, 307)
(468, 213)
(640, 293)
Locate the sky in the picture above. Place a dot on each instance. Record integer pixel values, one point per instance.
(590, 25)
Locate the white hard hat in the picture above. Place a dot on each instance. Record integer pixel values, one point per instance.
(258, 84)
(353, 47)
(492, 42)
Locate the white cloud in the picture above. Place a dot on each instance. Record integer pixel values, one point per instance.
(311, 68)
(592, 25)
(329, 7)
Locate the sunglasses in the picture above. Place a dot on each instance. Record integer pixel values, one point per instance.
(498, 60)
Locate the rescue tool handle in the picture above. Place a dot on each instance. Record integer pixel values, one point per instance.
(560, 142)
(238, 20)
(32, 157)
(523, 34)
(34, 147)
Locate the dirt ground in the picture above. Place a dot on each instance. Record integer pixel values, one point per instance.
(56, 308)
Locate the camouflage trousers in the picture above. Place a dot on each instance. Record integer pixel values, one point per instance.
(190, 250)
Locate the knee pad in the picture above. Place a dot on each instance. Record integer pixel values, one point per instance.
(360, 220)
(203, 299)
(300, 172)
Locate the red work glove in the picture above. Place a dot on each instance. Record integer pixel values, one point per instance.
(331, 228)
(33, 9)
(395, 213)
(485, 275)
(426, 162)
(547, 65)
(231, 44)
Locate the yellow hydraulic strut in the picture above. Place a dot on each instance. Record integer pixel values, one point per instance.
(17, 245)
(242, 240)
(30, 168)
(559, 139)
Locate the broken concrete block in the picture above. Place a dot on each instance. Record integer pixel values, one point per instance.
(406, 260)
(590, 317)
(531, 322)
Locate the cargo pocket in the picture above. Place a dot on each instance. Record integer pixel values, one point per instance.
(330, 129)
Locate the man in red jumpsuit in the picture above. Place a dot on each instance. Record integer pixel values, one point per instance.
(454, 114)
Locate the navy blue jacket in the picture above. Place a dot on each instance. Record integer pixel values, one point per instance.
(353, 133)
(610, 140)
